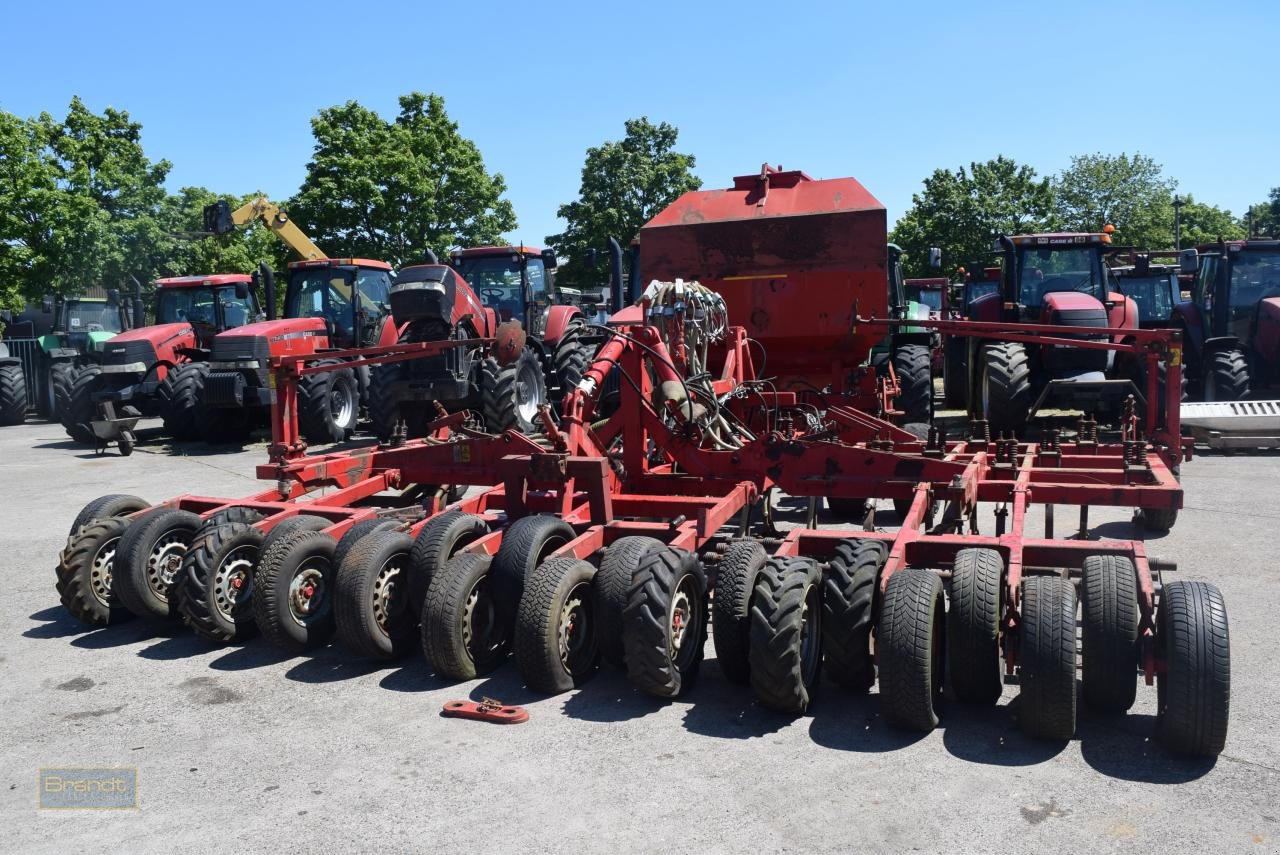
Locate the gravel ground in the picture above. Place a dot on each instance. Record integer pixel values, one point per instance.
(246, 748)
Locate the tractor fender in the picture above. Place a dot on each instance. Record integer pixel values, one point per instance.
(1188, 314)
(61, 354)
(1123, 313)
(558, 320)
(985, 308)
(1266, 336)
(190, 354)
(387, 332)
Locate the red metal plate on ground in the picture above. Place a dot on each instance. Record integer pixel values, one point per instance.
(486, 710)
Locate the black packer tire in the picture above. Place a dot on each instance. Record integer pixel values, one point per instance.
(510, 394)
(111, 505)
(81, 409)
(848, 612)
(13, 394)
(216, 598)
(613, 582)
(84, 573)
(148, 567)
(462, 636)
(913, 365)
(1109, 633)
(786, 633)
(184, 415)
(357, 532)
(736, 577)
(437, 541)
(328, 404)
(1157, 519)
(293, 584)
(569, 359)
(1005, 388)
(1226, 376)
(973, 626)
(1047, 658)
(291, 525)
(526, 543)
(910, 642)
(664, 626)
(371, 597)
(556, 633)
(1194, 689)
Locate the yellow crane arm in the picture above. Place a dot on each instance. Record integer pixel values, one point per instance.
(278, 221)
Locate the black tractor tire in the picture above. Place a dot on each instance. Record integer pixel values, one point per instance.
(226, 425)
(913, 365)
(328, 404)
(556, 638)
(216, 597)
(148, 567)
(381, 404)
(973, 626)
(1109, 633)
(910, 643)
(293, 586)
(1226, 376)
(664, 626)
(437, 541)
(184, 414)
(848, 612)
(511, 393)
(81, 409)
(462, 635)
(371, 597)
(736, 577)
(1005, 390)
(786, 633)
(526, 543)
(62, 376)
(289, 526)
(1047, 658)
(13, 395)
(955, 374)
(613, 582)
(84, 573)
(357, 532)
(1194, 689)
(1157, 519)
(569, 359)
(111, 505)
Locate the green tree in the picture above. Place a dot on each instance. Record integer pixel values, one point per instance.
(1128, 192)
(624, 184)
(392, 190)
(189, 251)
(1263, 219)
(961, 212)
(1204, 223)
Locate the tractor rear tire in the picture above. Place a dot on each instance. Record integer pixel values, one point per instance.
(148, 567)
(1194, 689)
(848, 612)
(13, 395)
(383, 408)
(613, 582)
(371, 597)
(973, 626)
(216, 596)
(526, 543)
(85, 569)
(1226, 376)
(556, 638)
(512, 393)
(438, 540)
(664, 626)
(569, 360)
(913, 365)
(358, 532)
(293, 591)
(910, 642)
(61, 377)
(1047, 658)
(290, 526)
(955, 377)
(736, 577)
(786, 633)
(81, 409)
(328, 404)
(1006, 388)
(184, 414)
(462, 635)
(112, 505)
(1109, 633)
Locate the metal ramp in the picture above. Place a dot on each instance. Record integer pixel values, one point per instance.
(1234, 424)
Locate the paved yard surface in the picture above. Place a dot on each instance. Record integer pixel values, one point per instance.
(242, 748)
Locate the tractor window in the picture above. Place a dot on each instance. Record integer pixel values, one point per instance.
(931, 297)
(1254, 276)
(1205, 278)
(320, 293)
(1045, 270)
(496, 280)
(193, 305)
(235, 310)
(1152, 294)
(375, 288)
(92, 316)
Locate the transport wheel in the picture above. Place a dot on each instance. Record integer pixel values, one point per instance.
(910, 644)
(786, 633)
(570, 359)
(1006, 387)
(513, 393)
(357, 532)
(973, 626)
(112, 505)
(149, 561)
(289, 526)
(1194, 689)
(328, 404)
(293, 582)
(847, 510)
(664, 626)
(526, 543)
(371, 598)
(1047, 658)
(462, 635)
(437, 541)
(1157, 519)
(1226, 377)
(84, 573)
(913, 365)
(184, 414)
(1109, 633)
(13, 395)
(736, 578)
(613, 581)
(80, 409)
(555, 637)
(217, 581)
(848, 611)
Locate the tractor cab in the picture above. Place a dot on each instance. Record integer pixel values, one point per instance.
(1041, 272)
(352, 295)
(210, 304)
(1154, 288)
(927, 293)
(1237, 284)
(517, 282)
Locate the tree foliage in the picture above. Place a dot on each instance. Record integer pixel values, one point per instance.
(392, 190)
(1263, 219)
(624, 184)
(961, 212)
(1128, 192)
(1203, 223)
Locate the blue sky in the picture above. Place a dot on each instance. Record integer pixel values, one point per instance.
(885, 92)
